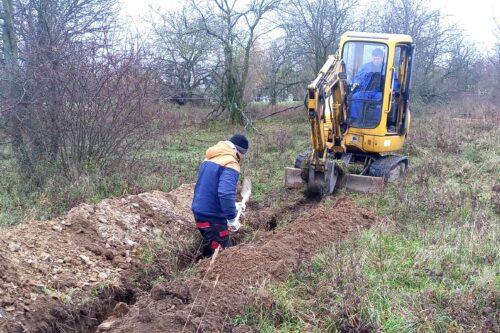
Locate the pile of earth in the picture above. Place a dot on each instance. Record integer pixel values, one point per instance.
(220, 288)
(78, 273)
(56, 274)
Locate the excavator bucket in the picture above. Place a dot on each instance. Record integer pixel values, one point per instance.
(293, 178)
(354, 183)
(364, 184)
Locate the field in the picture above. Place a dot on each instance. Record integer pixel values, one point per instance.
(420, 257)
(432, 265)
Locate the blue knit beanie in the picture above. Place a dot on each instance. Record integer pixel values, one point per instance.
(241, 143)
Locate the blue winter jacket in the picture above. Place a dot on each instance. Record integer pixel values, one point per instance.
(215, 190)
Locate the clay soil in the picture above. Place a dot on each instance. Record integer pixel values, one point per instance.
(222, 287)
(67, 274)
(79, 273)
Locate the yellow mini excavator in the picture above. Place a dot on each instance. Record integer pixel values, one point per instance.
(358, 107)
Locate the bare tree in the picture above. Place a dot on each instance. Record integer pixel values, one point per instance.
(257, 72)
(489, 71)
(44, 30)
(315, 26)
(459, 75)
(496, 52)
(83, 105)
(287, 73)
(9, 39)
(184, 57)
(444, 59)
(108, 111)
(11, 92)
(234, 27)
(49, 31)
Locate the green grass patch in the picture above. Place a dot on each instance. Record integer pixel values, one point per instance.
(273, 146)
(433, 267)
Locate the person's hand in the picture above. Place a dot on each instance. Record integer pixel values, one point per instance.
(241, 205)
(234, 224)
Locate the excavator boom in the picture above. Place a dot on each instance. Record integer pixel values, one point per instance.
(327, 85)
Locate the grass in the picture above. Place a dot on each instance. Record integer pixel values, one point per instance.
(11, 205)
(173, 159)
(273, 146)
(164, 258)
(433, 266)
(20, 201)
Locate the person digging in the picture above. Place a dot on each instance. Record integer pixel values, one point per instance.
(214, 208)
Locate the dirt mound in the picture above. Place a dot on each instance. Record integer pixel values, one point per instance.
(7, 273)
(48, 267)
(217, 292)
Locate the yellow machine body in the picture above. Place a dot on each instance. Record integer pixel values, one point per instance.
(358, 108)
(378, 139)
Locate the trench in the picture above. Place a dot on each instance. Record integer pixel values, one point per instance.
(82, 318)
(113, 301)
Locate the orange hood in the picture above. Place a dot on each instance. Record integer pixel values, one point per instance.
(223, 154)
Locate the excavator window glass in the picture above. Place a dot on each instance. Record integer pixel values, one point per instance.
(397, 80)
(366, 64)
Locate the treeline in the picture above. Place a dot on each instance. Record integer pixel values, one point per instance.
(274, 48)
(77, 94)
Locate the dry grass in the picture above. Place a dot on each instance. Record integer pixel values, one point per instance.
(433, 266)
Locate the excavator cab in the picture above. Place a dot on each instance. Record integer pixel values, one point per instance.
(358, 107)
(367, 68)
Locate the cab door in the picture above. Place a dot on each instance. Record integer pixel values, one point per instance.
(400, 89)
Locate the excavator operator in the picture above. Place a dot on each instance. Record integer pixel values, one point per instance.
(375, 66)
(365, 107)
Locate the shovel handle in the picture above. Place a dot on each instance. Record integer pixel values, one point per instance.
(239, 214)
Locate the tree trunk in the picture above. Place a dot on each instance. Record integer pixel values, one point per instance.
(11, 57)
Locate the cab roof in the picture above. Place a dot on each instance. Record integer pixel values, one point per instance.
(374, 35)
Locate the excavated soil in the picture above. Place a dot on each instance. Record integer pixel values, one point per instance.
(78, 273)
(68, 274)
(222, 288)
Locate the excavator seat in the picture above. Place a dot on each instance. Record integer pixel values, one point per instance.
(365, 106)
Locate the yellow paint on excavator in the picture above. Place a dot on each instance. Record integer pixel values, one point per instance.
(358, 107)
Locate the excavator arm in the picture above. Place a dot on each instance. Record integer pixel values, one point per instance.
(327, 116)
(327, 112)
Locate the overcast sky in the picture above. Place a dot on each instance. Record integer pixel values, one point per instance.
(475, 17)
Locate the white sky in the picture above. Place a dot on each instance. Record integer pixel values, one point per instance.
(476, 17)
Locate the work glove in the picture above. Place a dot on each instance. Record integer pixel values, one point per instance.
(234, 224)
(241, 205)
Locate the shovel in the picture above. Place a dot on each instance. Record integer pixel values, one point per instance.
(246, 191)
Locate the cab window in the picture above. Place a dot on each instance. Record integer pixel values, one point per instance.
(366, 65)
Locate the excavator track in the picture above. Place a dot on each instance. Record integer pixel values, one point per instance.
(384, 169)
(389, 167)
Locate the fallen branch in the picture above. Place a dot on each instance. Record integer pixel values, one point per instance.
(249, 122)
(280, 111)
